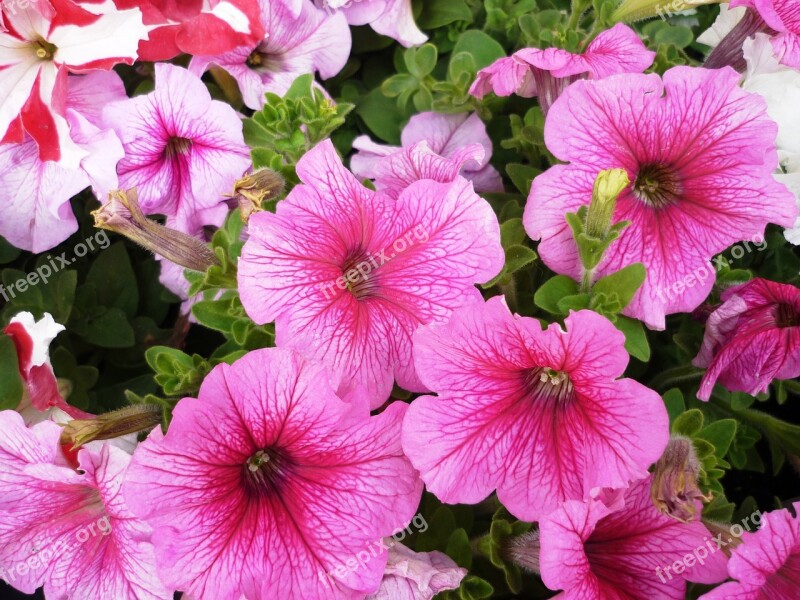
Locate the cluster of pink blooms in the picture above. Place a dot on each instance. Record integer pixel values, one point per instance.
(285, 473)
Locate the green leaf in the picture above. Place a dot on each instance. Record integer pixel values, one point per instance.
(636, 343)
(8, 252)
(108, 328)
(421, 60)
(216, 314)
(114, 280)
(10, 380)
(522, 176)
(676, 35)
(518, 257)
(623, 284)
(443, 12)
(483, 48)
(689, 423)
(574, 302)
(512, 232)
(553, 290)
(459, 549)
(720, 434)
(673, 399)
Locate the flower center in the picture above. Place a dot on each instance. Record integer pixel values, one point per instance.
(359, 274)
(658, 186)
(264, 62)
(786, 316)
(264, 471)
(44, 50)
(176, 146)
(549, 384)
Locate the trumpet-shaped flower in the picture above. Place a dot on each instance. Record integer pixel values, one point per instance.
(69, 531)
(596, 552)
(783, 18)
(36, 193)
(183, 150)
(268, 483)
(546, 73)
(392, 18)
(752, 338)
(767, 563)
(37, 51)
(295, 44)
(348, 274)
(538, 415)
(450, 136)
(700, 153)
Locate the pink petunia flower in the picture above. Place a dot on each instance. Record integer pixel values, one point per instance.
(69, 531)
(447, 135)
(183, 150)
(348, 274)
(269, 485)
(417, 575)
(392, 18)
(294, 45)
(196, 26)
(41, 399)
(36, 193)
(38, 50)
(596, 552)
(767, 563)
(539, 415)
(783, 17)
(700, 153)
(752, 338)
(547, 73)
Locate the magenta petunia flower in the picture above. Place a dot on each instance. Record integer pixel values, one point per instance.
(392, 18)
(69, 531)
(700, 153)
(783, 17)
(546, 73)
(35, 194)
(294, 45)
(597, 552)
(539, 415)
(417, 575)
(42, 43)
(767, 563)
(752, 338)
(348, 274)
(41, 397)
(183, 150)
(449, 136)
(269, 485)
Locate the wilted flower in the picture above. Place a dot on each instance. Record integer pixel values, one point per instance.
(675, 489)
(413, 575)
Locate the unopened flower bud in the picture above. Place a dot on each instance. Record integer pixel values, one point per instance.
(132, 419)
(122, 214)
(636, 10)
(254, 189)
(523, 551)
(607, 188)
(674, 490)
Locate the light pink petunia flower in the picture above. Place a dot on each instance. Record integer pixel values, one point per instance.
(35, 194)
(38, 50)
(446, 135)
(783, 17)
(183, 150)
(269, 485)
(539, 415)
(392, 18)
(547, 73)
(631, 551)
(348, 274)
(752, 338)
(700, 153)
(767, 563)
(294, 45)
(41, 397)
(417, 575)
(69, 531)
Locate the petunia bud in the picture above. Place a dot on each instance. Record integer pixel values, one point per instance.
(674, 489)
(637, 10)
(523, 551)
(131, 419)
(122, 214)
(607, 188)
(254, 189)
